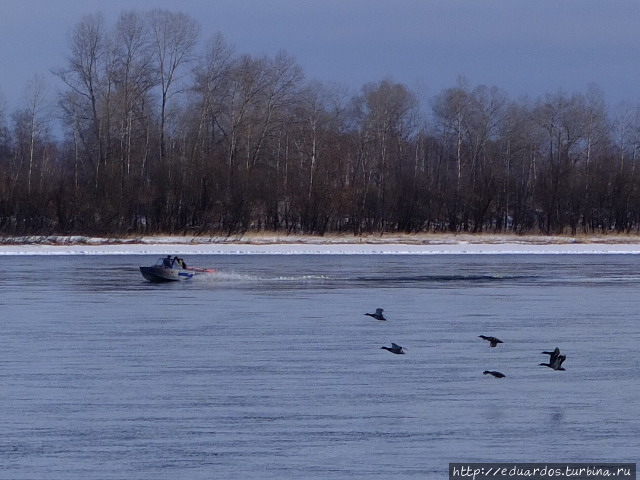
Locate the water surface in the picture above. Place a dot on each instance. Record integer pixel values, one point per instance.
(271, 370)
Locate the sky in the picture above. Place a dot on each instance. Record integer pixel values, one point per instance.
(524, 47)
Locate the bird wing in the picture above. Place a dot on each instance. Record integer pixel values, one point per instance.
(553, 355)
(556, 361)
(490, 339)
(560, 360)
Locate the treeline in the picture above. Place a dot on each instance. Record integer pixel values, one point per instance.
(166, 134)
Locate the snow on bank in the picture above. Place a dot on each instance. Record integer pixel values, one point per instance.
(286, 245)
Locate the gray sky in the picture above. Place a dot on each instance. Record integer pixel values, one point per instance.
(526, 47)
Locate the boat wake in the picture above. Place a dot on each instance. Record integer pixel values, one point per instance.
(222, 277)
(226, 277)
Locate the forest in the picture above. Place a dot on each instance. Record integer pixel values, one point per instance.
(164, 130)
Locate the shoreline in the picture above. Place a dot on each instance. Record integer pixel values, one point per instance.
(417, 244)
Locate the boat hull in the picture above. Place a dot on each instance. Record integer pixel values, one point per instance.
(172, 270)
(160, 274)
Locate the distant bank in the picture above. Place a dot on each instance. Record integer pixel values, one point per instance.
(330, 244)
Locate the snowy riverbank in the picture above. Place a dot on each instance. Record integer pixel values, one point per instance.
(427, 244)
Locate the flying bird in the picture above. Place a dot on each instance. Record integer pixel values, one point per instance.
(394, 348)
(556, 359)
(492, 340)
(553, 354)
(494, 373)
(378, 315)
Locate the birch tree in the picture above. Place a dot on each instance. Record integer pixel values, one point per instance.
(32, 127)
(174, 37)
(88, 90)
(133, 74)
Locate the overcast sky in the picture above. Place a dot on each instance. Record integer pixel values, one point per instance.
(525, 47)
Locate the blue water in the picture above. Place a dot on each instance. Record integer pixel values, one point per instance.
(271, 370)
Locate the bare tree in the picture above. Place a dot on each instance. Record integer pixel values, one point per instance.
(212, 83)
(245, 144)
(451, 111)
(85, 77)
(35, 116)
(5, 139)
(134, 75)
(387, 113)
(174, 39)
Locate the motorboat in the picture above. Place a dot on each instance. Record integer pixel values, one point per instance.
(168, 269)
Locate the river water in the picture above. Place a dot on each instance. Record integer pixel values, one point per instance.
(272, 370)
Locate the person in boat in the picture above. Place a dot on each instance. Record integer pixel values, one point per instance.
(168, 262)
(180, 262)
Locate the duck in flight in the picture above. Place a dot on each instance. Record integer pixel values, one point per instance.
(553, 354)
(378, 315)
(494, 373)
(556, 359)
(394, 348)
(492, 340)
